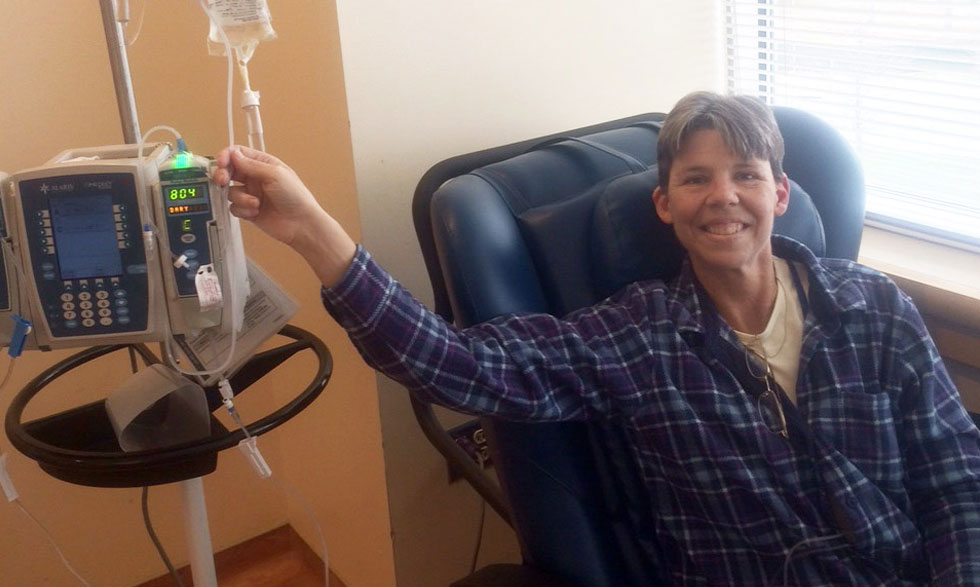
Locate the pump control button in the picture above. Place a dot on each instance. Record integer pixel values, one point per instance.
(188, 238)
(105, 321)
(88, 323)
(84, 295)
(71, 324)
(67, 297)
(70, 315)
(102, 294)
(103, 303)
(67, 306)
(104, 312)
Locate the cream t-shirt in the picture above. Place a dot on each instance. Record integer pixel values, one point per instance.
(779, 344)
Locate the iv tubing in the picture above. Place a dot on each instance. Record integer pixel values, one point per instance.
(11, 493)
(51, 540)
(231, 68)
(256, 129)
(250, 105)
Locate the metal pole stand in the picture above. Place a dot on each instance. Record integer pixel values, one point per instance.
(198, 533)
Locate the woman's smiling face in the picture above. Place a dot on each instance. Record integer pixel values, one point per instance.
(722, 206)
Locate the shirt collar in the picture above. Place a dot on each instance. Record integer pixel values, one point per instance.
(830, 293)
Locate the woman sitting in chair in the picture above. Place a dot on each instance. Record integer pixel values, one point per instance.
(790, 416)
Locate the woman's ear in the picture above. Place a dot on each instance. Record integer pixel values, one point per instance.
(662, 204)
(782, 196)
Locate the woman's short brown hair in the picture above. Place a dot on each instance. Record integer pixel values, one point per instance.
(746, 124)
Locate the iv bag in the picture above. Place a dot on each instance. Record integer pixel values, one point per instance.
(245, 23)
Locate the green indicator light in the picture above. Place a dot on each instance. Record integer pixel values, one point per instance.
(183, 160)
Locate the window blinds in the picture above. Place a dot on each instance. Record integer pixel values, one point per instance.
(899, 79)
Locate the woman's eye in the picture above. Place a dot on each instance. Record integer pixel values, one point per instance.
(694, 180)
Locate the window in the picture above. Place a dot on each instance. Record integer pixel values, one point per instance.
(900, 79)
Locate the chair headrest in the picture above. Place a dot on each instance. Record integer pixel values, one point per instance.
(569, 223)
(630, 242)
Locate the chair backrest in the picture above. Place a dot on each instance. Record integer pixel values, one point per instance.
(558, 223)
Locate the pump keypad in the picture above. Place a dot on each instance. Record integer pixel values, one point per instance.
(85, 252)
(86, 303)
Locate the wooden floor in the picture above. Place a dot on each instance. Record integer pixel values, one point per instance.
(278, 558)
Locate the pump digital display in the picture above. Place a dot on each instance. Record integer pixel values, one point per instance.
(186, 192)
(85, 239)
(181, 194)
(186, 199)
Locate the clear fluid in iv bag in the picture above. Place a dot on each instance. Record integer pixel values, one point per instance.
(244, 22)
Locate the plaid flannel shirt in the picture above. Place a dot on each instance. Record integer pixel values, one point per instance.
(733, 503)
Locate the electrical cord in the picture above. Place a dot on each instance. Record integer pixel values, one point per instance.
(156, 541)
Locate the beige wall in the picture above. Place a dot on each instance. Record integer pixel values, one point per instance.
(431, 79)
(56, 92)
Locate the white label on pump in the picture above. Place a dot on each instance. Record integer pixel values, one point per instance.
(208, 287)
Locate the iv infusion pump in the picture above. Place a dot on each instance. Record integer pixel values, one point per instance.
(9, 285)
(95, 233)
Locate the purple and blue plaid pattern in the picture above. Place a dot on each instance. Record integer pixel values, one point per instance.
(733, 503)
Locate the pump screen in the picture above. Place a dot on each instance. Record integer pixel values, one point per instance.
(186, 192)
(85, 236)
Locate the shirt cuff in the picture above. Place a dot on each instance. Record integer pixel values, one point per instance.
(364, 290)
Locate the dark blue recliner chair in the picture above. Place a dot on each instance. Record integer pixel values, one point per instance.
(557, 223)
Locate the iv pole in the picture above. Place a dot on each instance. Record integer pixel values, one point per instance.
(119, 64)
(192, 490)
